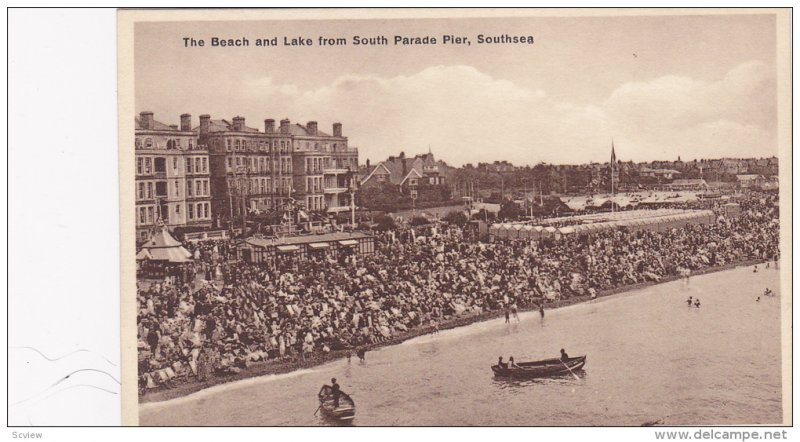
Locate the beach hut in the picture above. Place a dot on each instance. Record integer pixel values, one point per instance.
(516, 231)
(494, 230)
(527, 232)
(567, 230)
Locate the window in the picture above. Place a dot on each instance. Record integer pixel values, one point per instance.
(238, 144)
(177, 188)
(160, 164)
(138, 143)
(139, 164)
(208, 212)
(188, 165)
(191, 144)
(238, 161)
(229, 144)
(205, 187)
(197, 165)
(198, 191)
(200, 211)
(149, 191)
(191, 211)
(149, 214)
(174, 162)
(148, 168)
(177, 209)
(205, 164)
(178, 143)
(230, 162)
(142, 215)
(140, 194)
(189, 188)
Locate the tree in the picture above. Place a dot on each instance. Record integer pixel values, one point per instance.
(455, 217)
(483, 215)
(509, 210)
(419, 221)
(384, 222)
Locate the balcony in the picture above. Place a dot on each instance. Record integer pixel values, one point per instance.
(338, 209)
(335, 171)
(331, 190)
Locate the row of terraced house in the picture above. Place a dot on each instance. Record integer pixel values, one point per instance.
(221, 171)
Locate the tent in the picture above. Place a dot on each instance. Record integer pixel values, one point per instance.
(162, 247)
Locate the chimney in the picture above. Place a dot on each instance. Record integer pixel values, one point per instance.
(146, 120)
(405, 167)
(186, 123)
(205, 121)
(269, 126)
(367, 163)
(285, 126)
(337, 129)
(238, 124)
(312, 127)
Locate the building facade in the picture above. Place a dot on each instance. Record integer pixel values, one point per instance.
(172, 185)
(253, 172)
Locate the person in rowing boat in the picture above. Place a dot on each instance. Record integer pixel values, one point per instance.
(500, 362)
(564, 356)
(511, 362)
(335, 392)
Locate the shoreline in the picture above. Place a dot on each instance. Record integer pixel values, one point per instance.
(282, 367)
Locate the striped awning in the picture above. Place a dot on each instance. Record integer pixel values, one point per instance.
(348, 242)
(319, 245)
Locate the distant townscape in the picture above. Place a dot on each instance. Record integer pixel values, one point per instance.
(223, 174)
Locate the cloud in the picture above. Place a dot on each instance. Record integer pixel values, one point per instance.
(673, 115)
(468, 116)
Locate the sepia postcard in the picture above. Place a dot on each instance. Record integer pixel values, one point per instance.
(447, 217)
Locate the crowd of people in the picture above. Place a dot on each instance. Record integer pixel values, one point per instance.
(240, 313)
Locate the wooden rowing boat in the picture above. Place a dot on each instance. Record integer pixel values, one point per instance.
(540, 369)
(344, 412)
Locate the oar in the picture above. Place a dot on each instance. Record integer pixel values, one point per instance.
(570, 370)
(317, 410)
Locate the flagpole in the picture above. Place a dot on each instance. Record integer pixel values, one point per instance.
(613, 158)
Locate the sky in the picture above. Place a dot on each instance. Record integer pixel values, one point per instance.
(659, 86)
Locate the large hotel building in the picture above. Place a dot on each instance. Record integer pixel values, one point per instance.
(224, 170)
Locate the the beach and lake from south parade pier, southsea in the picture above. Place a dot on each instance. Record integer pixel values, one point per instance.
(650, 359)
